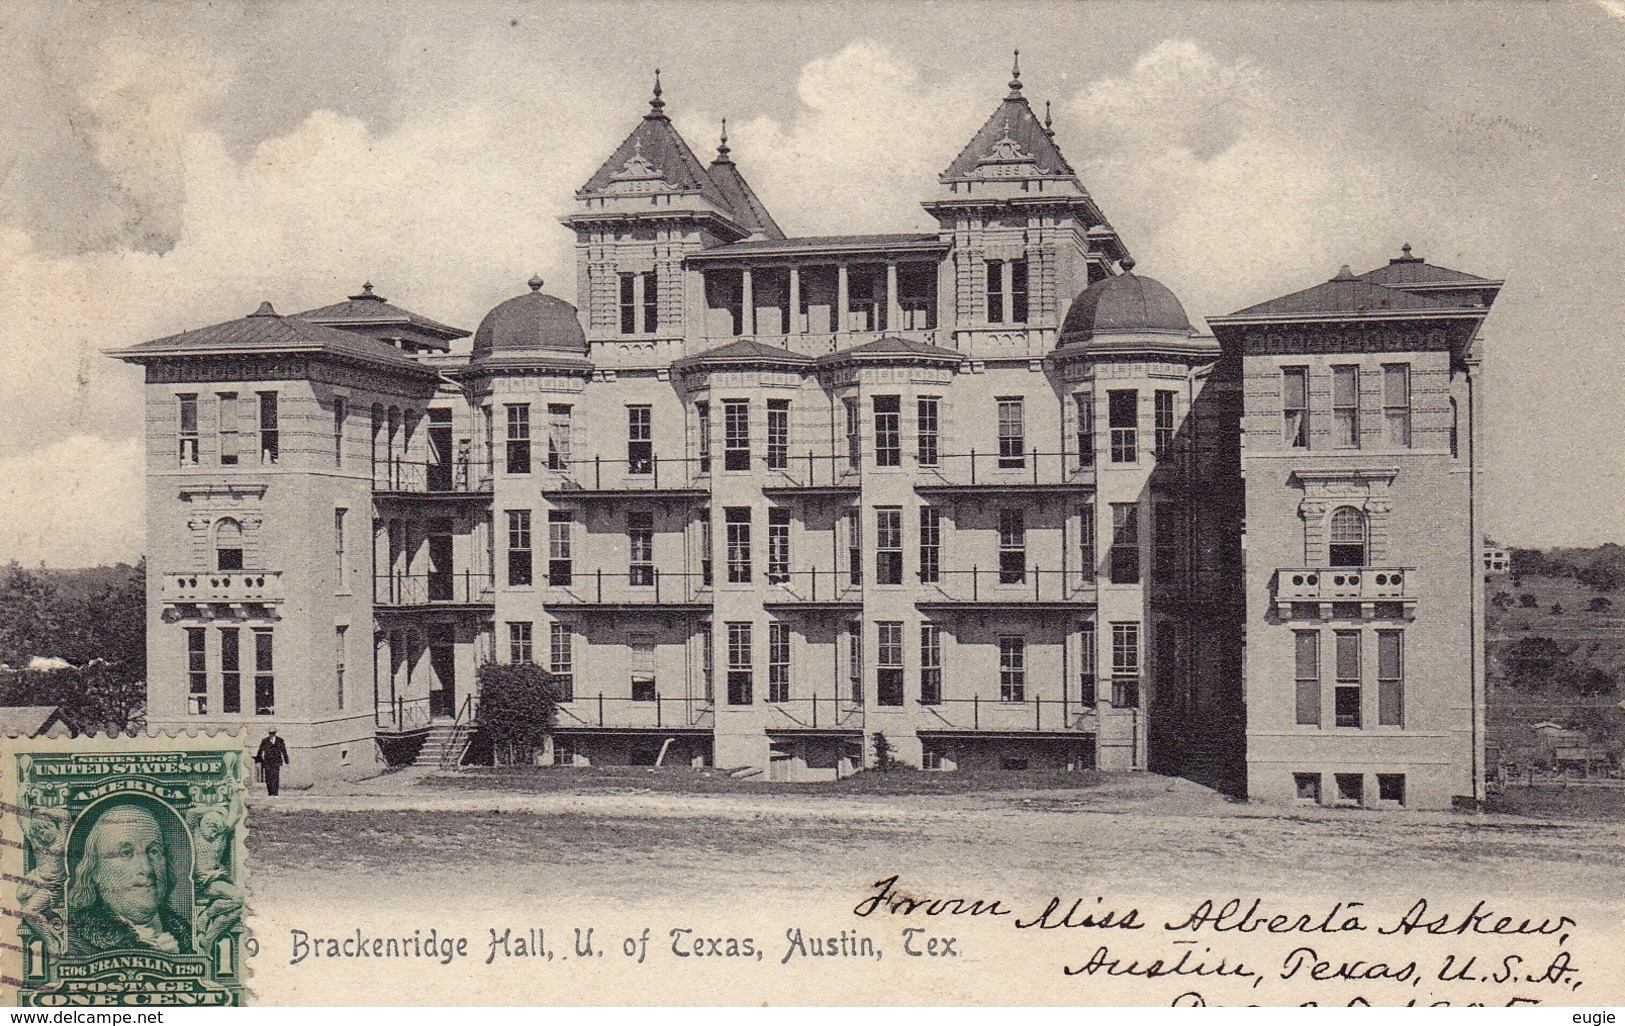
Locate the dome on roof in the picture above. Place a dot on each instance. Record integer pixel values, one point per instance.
(532, 322)
(1127, 304)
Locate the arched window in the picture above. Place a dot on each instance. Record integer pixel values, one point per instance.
(228, 545)
(1348, 537)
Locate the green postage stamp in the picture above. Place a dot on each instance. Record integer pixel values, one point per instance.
(125, 870)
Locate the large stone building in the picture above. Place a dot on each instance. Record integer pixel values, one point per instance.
(762, 498)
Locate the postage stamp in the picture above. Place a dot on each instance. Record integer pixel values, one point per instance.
(126, 866)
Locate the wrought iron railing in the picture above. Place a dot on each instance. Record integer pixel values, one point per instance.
(816, 712)
(648, 585)
(1014, 584)
(635, 474)
(793, 587)
(449, 588)
(652, 711)
(431, 477)
(1035, 713)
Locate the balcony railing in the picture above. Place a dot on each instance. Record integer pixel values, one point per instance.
(436, 477)
(224, 586)
(1365, 585)
(616, 476)
(1029, 469)
(1034, 714)
(812, 587)
(649, 586)
(1016, 586)
(815, 713)
(402, 715)
(810, 471)
(433, 589)
(654, 712)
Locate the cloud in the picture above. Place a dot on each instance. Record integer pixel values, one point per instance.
(76, 502)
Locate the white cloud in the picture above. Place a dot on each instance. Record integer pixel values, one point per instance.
(76, 502)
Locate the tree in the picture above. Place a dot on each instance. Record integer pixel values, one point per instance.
(1604, 571)
(97, 697)
(29, 617)
(108, 625)
(1537, 662)
(1502, 600)
(518, 707)
(1557, 609)
(1594, 680)
(884, 758)
(1600, 604)
(1528, 601)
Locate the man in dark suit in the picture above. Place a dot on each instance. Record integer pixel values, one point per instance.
(119, 897)
(272, 756)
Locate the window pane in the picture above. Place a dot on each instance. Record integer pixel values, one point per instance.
(1348, 656)
(1295, 387)
(1308, 655)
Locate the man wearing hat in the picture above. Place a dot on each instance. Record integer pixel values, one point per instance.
(272, 756)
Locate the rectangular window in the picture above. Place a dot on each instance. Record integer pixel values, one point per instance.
(735, 434)
(1346, 405)
(1012, 546)
(1306, 648)
(1123, 421)
(227, 414)
(930, 664)
(560, 547)
(1396, 403)
(930, 545)
(778, 434)
(1163, 409)
(889, 664)
(1307, 786)
(705, 547)
(1087, 670)
(197, 671)
(231, 671)
(270, 434)
(702, 422)
(1350, 788)
(561, 659)
(708, 664)
(1126, 665)
(1125, 543)
(995, 291)
(1012, 668)
(1391, 678)
(739, 664)
(927, 424)
(558, 436)
(854, 547)
(1018, 291)
(518, 451)
(854, 440)
(644, 685)
(341, 410)
(889, 545)
(264, 673)
(1391, 788)
(640, 545)
(521, 639)
(778, 662)
(737, 521)
(854, 661)
(888, 431)
(1168, 541)
(340, 637)
(1084, 402)
(1295, 407)
(651, 302)
(1086, 542)
(1347, 702)
(339, 559)
(519, 562)
(640, 446)
(1012, 434)
(778, 545)
(186, 433)
(629, 304)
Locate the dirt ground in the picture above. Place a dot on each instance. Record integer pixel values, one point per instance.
(399, 851)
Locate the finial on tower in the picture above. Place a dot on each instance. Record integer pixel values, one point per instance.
(656, 104)
(1015, 77)
(722, 147)
(1049, 122)
(535, 283)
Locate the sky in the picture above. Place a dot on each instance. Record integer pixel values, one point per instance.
(167, 165)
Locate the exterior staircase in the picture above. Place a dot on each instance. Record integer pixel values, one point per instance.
(442, 747)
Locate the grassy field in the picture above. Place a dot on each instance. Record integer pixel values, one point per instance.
(673, 780)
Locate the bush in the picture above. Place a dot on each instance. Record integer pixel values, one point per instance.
(1600, 604)
(518, 707)
(1528, 601)
(1557, 609)
(1502, 600)
(884, 757)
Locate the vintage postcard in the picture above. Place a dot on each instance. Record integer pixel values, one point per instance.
(812, 503)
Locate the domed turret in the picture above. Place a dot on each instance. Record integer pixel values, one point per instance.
(532, 323)
(1129, 304)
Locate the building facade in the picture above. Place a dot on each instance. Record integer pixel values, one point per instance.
(763, 498)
